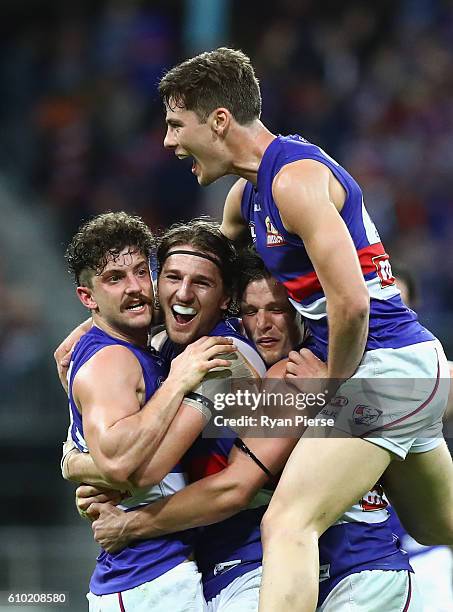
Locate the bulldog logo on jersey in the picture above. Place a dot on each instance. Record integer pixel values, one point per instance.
(366, 415)
(273, 238)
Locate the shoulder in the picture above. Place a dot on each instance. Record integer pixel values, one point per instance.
(234, 196)
(301, 170)
(278, 370)
(114, 360)
(233, 223)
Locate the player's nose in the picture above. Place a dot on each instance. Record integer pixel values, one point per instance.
(263, 320)
(169, 139)
(133, 284)
(184, 292)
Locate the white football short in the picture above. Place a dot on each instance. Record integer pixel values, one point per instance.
(374, 591)
(434, 572)
(178, 590)
(396, 399)
(241, 595)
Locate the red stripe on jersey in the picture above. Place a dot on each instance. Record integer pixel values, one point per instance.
(303, 286)
(200, 467)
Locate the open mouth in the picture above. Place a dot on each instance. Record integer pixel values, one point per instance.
(136, 306)
(189, 161)
(183, 314)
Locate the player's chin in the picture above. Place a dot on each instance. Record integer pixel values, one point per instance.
(270, 356)
(204, 179)
(181, 334)
(142, 320)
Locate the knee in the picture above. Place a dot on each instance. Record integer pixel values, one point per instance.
(283, 522)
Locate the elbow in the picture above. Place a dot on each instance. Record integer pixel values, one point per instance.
(236, 499)
(115, 471)
(355, 309)
(146, 478)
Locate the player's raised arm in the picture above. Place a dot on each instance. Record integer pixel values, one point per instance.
(302, 193)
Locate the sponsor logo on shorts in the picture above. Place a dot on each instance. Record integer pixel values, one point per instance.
(366, 415)
(221, 568)
(273, 237)
(329, 412)
(339, 401)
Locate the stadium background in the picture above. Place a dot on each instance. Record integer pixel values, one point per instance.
(81, 132)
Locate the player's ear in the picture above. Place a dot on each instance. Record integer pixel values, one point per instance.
(220, 120)
(85, 295)
(225, 303)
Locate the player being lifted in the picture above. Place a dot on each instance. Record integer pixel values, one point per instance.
(307, 217)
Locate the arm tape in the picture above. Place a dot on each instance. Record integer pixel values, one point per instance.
(245, 449)
(201, 403)
(69, 448)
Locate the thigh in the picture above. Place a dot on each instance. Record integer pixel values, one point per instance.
(325, 477)
(241, 595)
(421, 489)
(374, 591)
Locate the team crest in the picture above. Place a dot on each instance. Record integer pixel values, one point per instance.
(366, 415)
(273, 237)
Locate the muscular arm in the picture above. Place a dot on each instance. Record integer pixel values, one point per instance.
(302, 193)
(209, 500)
(233, 225)
(184, 429)
(121, 437)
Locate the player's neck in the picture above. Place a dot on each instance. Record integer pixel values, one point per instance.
(248, 147)
(138, 336)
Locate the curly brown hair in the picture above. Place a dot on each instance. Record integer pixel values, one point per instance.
(220, 78)
(101, 239)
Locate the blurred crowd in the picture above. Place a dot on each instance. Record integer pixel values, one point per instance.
(83, 126)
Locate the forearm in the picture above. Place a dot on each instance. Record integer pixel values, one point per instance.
(202, 503)
(348, 332)
(81, 468)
